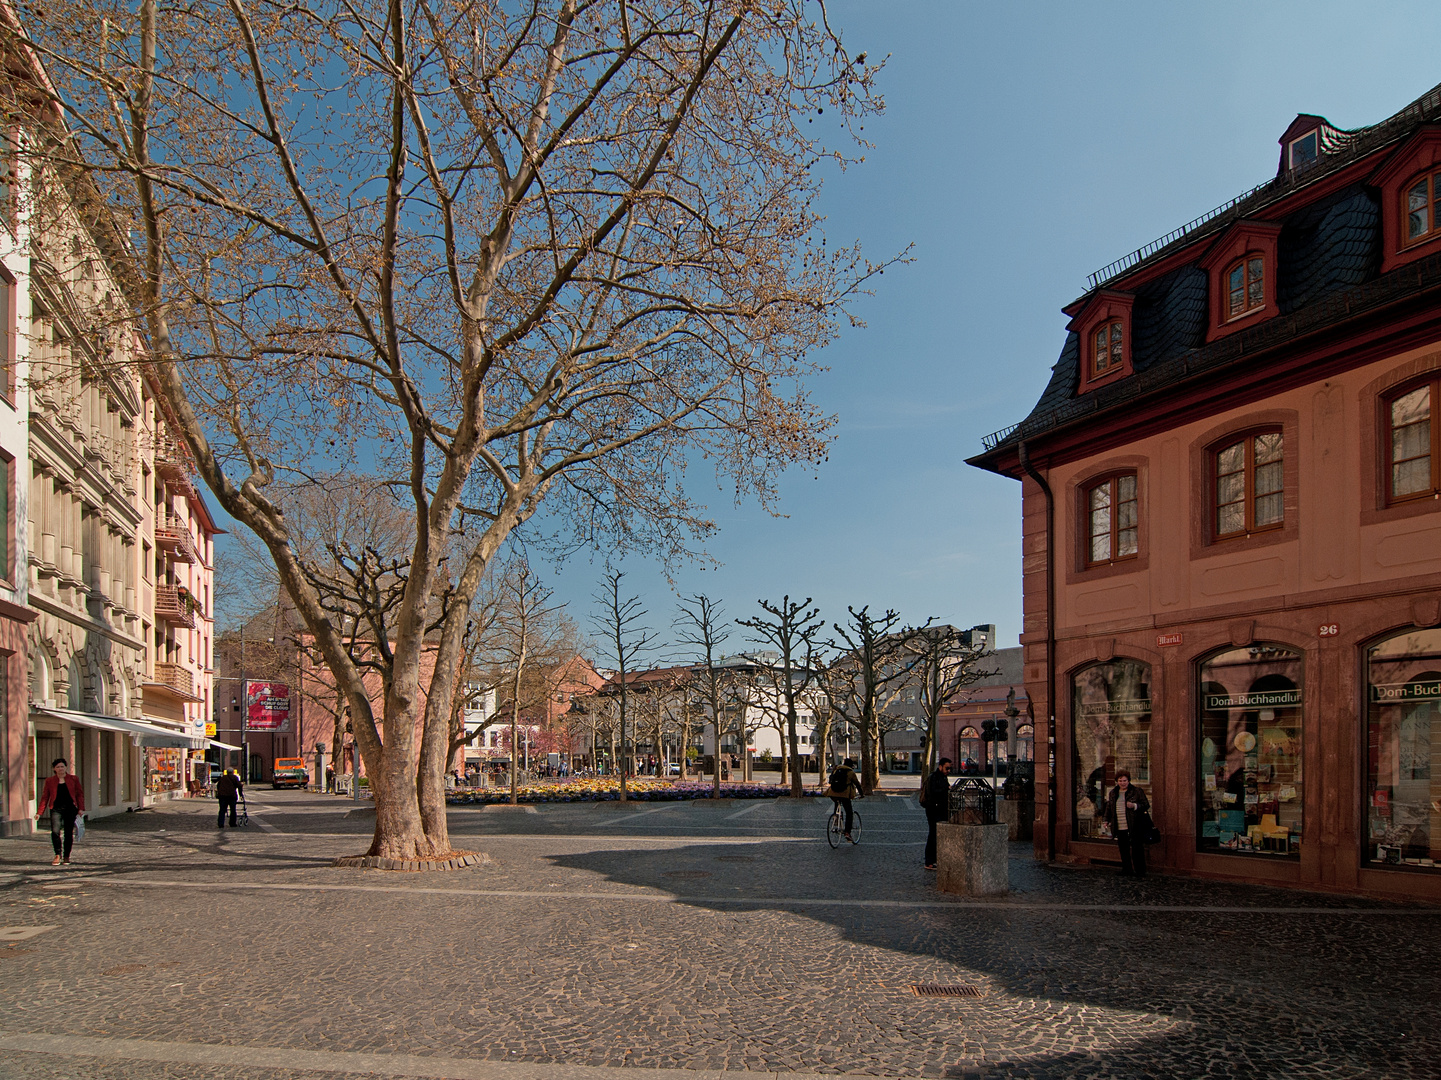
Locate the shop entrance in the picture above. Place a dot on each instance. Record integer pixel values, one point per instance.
(48, 746)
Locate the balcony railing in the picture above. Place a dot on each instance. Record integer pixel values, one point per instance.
(173, 536)
(175, 605)
(172, 460)
(176, 677)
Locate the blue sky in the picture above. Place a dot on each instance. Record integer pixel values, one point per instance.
(1024, 145)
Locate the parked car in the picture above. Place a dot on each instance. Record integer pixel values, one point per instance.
(289, 772)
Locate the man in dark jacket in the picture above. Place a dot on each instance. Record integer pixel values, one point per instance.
(227, 790)
(937, 802)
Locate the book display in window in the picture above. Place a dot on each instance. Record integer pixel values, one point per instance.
(1250, 753)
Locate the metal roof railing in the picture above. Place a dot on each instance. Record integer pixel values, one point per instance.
(1125, 262)
(995, 438)
(1347, 147)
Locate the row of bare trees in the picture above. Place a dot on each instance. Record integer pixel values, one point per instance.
(843, 676)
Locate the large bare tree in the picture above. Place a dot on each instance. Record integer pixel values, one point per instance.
(508, 252)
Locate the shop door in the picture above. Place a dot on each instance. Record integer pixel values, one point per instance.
(48, 746)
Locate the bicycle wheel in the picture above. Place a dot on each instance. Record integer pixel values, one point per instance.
(834, 828)
(856, 827)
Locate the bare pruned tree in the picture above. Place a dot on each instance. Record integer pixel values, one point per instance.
(509, 254)
(874, 662)
(702, 628)
(793, 630)
(950, 660)
(520, 630)
(621, 623)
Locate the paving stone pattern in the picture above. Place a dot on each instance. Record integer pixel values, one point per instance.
(677, 938)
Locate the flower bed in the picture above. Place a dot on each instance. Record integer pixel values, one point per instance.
(608, 787)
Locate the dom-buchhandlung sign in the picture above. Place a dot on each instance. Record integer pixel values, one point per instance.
(267, 706)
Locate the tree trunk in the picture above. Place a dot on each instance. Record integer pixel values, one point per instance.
(337, 735)
(796, 784)
(870, 771)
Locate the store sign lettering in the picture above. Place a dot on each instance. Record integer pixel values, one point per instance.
(1268, 699)
(1164, 641)
(1131, 707)
(1401, 692)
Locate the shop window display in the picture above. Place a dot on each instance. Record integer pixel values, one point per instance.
(1111, 724)
(1251, 781)
(165, 770)
(1403, 750)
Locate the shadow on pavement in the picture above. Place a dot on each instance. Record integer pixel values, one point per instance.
(1188, 994)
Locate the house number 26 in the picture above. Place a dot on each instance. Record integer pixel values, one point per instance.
(1330, 629)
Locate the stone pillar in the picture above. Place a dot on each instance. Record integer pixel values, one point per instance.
(972, 859)
(1006, 814)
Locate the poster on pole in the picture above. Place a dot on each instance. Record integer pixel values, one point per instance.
(267, 706)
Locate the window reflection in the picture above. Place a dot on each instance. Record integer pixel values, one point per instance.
(1403, 739)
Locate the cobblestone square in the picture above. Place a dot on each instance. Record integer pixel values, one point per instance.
(675, 941)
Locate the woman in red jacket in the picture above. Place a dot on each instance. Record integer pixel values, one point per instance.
(64, 801)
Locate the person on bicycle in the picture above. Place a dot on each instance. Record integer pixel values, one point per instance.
(845, 785)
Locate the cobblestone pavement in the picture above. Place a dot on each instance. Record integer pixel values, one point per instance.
(694, 940)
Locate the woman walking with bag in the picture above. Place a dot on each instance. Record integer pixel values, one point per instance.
(1128, 812)
(64, 800)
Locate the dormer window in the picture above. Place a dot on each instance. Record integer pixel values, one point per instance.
(1421, 199)
(1246, 285)
(1241, 268)
(1410, 187)
(1305, 150)
(1102, 325)
(1109, 348)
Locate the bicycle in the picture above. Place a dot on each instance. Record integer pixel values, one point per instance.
(836, 826)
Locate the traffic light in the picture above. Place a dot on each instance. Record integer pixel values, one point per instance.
(988, 731)
(1002, 728)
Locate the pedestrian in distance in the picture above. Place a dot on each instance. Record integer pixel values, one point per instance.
(1128, 812)
(227, 790)
(64, 800)
(936, 798)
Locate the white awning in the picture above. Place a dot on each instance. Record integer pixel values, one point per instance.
(222, 745)
(153, 735)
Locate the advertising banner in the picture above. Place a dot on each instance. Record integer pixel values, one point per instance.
(267, 706)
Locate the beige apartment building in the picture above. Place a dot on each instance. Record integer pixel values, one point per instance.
(105, 599)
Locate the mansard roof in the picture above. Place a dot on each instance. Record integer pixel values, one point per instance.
(1328, 270)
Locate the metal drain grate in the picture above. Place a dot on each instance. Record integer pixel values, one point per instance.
(940, 990)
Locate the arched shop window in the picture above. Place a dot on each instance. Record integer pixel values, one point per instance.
(1111, 730)
(1403, 750)
(969, 749)
(1251, 780)
(1026, 742)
